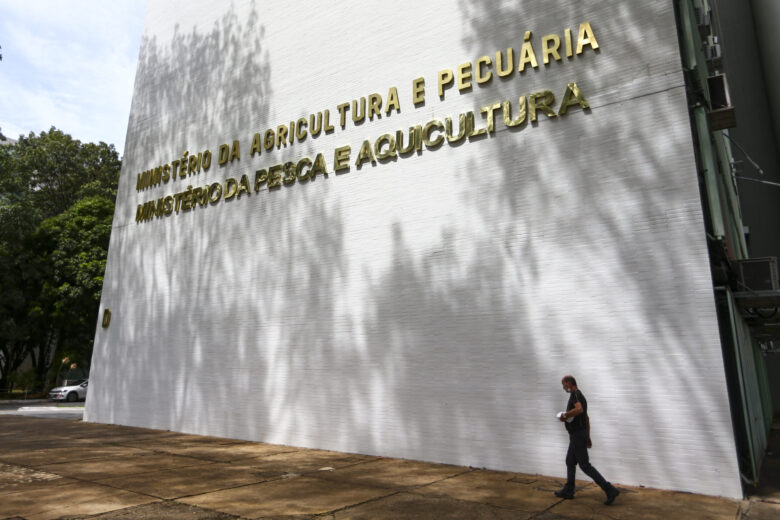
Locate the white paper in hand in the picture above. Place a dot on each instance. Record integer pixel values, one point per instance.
(560, 415)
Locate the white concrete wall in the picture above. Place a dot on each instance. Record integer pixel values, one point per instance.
(427, 307)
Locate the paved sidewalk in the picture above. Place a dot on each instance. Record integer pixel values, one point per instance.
(67, 469)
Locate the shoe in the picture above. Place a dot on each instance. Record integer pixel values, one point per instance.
(612, 494)
(564, 493)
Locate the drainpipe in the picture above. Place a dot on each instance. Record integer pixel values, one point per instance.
(694, 60)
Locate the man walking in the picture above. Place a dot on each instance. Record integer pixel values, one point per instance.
(578, 426)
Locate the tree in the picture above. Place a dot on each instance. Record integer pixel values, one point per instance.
(56, 166)
(75, 245)
(56, 206)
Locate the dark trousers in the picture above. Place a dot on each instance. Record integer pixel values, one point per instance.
(578, 454)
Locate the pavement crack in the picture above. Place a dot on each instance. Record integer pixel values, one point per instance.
(468, 470)
(358, 504)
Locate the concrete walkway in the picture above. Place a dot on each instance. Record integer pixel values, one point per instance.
(67, 469)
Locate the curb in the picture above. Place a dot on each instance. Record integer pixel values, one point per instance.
(63, 409)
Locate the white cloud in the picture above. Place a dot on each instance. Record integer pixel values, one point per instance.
(70, 65)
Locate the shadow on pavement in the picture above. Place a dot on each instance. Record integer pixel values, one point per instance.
(57, 469)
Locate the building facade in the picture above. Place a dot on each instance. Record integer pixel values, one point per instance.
(391, 229)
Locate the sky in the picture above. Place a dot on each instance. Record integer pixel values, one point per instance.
(69, 64)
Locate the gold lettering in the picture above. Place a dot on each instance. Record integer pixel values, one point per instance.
(235, 152)
(445, 79)
(540, 101)
(289, 173)
(586, 37)
(159, 209)
(315, 129)
(508, 113)
(399, 140)
(572, 96)
(462, 127)
(319, 167)
(374, 106)
(186, 199)
(392, 101)
(527, 56)
(303, 163)
(343, 114)
(281, 136)
(429, 127)
(550, 45)
(489, 111)
(261, 176)
(358, 117)
(473, 130)
(418, 91)
(567, 40)
(183, 165)
(366, 154)
(201, 196)
(194, 164)
(341, 158)
(464, 76)
(328, 126)
(224, 156)
(274, 176)
(256, 144)
(501, 70)
(486, 62)
(243, 186)
(300, 129)
(231, 187)
(177, 201)
(214, 188)
(390, 152)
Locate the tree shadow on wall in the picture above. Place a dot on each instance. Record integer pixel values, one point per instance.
(439, 324)
(187, 87)
(653, 328)
(186, 98)
(229, 317)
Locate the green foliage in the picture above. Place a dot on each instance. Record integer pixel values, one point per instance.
(78, 242)
(25, 380)
(56, 167)
(56, 206)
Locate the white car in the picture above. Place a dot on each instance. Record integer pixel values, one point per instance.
(70, 393)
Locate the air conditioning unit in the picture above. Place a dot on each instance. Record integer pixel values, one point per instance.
(712, 48)
(757, 274)
(721, 113)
